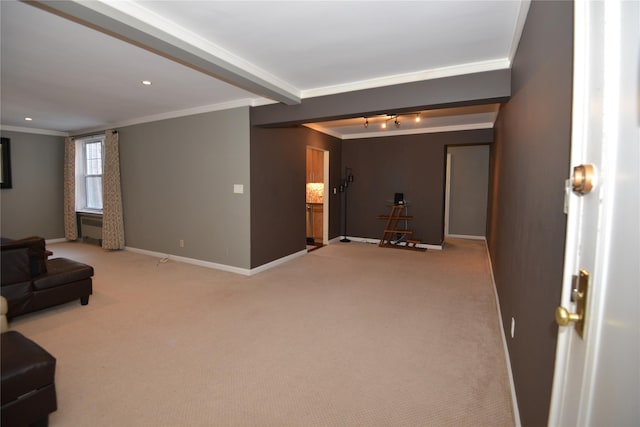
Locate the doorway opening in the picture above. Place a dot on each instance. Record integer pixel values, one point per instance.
(317, 202)
(466, 191)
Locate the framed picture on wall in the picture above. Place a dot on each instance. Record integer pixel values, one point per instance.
(5, 164)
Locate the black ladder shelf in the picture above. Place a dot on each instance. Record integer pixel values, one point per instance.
(391, 229)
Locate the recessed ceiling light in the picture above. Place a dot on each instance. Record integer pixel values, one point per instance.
(28, 119)
(146, 82)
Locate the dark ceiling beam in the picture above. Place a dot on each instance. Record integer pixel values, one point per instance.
(102, 17)
(487, 87)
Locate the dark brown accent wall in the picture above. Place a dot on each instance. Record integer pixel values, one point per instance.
(526, 225)
(409, 164)
(278, 197)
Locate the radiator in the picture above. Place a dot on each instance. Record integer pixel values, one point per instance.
(91, 229)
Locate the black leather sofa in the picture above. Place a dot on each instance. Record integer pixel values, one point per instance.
(30, 281)
(28, 382)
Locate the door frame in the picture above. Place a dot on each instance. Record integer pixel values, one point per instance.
(447, 193)
(325, 202)
(325, 206)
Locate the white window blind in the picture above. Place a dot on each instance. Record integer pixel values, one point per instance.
(89, 167)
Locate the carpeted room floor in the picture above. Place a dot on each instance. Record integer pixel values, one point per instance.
(347, 335)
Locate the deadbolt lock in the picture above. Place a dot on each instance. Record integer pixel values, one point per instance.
(579, 297)
(583, 179)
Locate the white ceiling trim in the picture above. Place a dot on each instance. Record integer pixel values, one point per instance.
(452, 128)
(324, 130)
(162, 24)
(522, 17)
(178, 44)
(33, 130)
(436, 73)
(170, 115)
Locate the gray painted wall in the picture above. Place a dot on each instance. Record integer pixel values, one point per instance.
(469, 178)
(34, 206)
(526, 227)
(177, 183)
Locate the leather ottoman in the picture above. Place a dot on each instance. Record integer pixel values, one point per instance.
(28, 390)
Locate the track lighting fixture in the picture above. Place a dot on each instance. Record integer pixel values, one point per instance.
(394, 117)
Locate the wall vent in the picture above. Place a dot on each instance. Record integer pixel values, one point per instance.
(91, 229)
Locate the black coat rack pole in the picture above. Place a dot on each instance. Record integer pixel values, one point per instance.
(344, 239)
(345, 185)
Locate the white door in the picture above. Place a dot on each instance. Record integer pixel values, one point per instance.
(597, 377)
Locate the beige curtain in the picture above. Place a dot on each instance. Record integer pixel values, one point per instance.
(112, 221)
(70, 223)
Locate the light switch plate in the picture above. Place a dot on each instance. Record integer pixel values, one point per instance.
(238, 188)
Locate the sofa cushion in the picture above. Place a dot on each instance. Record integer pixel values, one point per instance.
(38, 253)
(19, 297)
(61, 271)
(25, 366)
(15, 266)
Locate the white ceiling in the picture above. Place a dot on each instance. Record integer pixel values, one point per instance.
(72, 79)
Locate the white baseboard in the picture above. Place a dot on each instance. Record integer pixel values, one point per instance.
(193, 261)
(52, 241)
(465, 236)
(377, 242)
(514, 398)
(217, 266)
(360, 239)
(276, 262)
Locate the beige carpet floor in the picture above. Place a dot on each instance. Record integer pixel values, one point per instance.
(348, 335)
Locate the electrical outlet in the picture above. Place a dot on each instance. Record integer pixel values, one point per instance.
(181, 243)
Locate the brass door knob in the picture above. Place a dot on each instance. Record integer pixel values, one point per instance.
(563, 317)
(579, 291)
(583, 179)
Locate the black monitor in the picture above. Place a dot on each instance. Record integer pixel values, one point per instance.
(398, 199)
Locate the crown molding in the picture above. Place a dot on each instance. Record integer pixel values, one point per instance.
(169, 115)
(324, 130)
(522, 18)
(386, 133)
(453, 128)
(33, 130)
(135, 24)
(162, 24)
(436, 73)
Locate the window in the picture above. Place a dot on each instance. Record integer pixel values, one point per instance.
(89, 166)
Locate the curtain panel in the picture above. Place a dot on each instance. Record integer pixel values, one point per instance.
(112, 219)
(70, 222)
